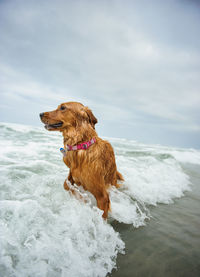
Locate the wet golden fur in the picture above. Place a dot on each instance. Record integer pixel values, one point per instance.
(94, 168)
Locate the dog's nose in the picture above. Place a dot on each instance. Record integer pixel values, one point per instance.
(41, 115)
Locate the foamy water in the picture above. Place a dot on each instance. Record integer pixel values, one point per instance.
(47, 232)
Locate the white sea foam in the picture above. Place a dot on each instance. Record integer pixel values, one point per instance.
(47, 232)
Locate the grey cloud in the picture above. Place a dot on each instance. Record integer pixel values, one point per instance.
(136, 63)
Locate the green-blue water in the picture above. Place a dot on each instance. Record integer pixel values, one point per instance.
(169, 244)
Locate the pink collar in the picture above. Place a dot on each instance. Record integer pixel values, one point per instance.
(81, 146)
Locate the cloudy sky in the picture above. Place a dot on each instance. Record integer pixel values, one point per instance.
(136, 64)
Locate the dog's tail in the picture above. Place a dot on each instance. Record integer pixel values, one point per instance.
(119, 176)
(109, 207)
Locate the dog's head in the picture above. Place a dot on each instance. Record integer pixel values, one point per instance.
(70, 114)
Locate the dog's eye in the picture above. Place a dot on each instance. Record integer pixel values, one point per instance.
(62, 108)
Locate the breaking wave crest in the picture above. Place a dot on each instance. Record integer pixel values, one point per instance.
(47, 232)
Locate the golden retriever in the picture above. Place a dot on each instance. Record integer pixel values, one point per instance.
(91, 160)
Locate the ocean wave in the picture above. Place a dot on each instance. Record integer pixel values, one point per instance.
(47, 232)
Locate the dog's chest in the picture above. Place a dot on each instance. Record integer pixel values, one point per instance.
(74, 159)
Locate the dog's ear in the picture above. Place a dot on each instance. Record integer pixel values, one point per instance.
(92, 118)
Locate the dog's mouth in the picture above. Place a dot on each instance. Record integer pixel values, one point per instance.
(53, 126)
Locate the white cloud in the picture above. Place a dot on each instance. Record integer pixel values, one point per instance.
(122, 59)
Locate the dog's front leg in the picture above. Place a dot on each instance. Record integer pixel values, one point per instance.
(70, 178)
(69, 186)
(66, 185)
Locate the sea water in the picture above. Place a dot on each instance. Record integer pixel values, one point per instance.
(152, 230)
